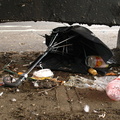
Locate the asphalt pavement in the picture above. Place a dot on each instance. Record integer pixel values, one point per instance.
(28, 36)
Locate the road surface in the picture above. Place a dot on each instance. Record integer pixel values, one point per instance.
(28, 36)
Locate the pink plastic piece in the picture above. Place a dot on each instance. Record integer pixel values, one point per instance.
(113, 89)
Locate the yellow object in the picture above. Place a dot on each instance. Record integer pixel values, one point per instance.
(92, 71)
(20, 73)
(40, 78)
(96, 62)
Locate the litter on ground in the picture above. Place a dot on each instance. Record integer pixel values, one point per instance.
(99, 83)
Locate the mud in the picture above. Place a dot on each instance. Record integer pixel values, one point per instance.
(53, 101)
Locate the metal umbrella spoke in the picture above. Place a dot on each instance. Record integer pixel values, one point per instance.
(63, 41)
(65, 48)
(52, 40)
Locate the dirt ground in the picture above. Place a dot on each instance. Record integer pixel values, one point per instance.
(51, 101)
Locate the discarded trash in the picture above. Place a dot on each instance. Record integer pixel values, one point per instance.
(20, 73)
(73, 43)
(43, 74)
(45, 84)
(99, 83)
(17, 90)
(86, 108)
(1, 83)
(40, 78)
(92, 71)
(5, 68)
(36, 85)
(111, 74)
(102, 115)
(95, 111)
(1, 94)
(9, 78)
(113, 89)
(13, 100)
(96, 62)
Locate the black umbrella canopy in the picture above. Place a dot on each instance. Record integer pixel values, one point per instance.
(78, 41)
(92, 44)
(69, 47)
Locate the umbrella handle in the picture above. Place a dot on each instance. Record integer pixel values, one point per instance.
(16, 83)
(24, 76)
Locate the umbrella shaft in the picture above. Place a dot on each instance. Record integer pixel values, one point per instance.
(35, 64)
